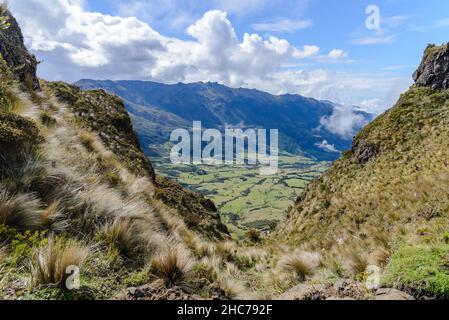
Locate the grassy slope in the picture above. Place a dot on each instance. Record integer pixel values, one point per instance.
(399, 198)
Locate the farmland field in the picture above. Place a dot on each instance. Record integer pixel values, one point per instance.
(245, 198)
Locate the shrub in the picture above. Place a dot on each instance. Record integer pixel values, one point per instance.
(50, 263)
(47, 119)
(23, 243)
(253, 235)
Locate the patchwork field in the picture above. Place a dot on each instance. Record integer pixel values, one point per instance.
(245, 198)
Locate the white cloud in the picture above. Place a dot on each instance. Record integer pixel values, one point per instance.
(337, 54)
(343, 122)
(283, 25)
(326, 146)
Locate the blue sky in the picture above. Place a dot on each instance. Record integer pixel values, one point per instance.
(182, 40)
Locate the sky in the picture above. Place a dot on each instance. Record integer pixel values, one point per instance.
(317, 48)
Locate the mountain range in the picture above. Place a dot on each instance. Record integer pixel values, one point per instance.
(305, 125)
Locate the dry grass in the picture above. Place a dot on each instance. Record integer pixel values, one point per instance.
(51, 262)
(354, 260)
(22, 211)
(233, 288)
(122, 235)
(53, 218)
(87, 139)
(227, 250)
(300, 264)
(173, 267)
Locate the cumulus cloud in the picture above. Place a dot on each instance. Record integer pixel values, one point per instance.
(344, 122)
(75, 43)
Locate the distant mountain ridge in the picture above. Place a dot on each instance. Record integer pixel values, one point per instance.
(158, 108)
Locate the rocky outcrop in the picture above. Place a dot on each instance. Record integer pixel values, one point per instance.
(12, 48)
(198, 212)
(363, 152)
(434, 69)
(105, 114)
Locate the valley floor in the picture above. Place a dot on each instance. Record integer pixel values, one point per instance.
(246, 199)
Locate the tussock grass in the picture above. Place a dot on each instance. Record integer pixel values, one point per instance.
(355, 260)
(300, 264)
(122, 235)
(173, 267)
(50, 263)
(22, 211)
(53, 218)
(233, 288)
(87, 139)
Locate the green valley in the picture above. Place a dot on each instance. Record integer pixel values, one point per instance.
(246, 199)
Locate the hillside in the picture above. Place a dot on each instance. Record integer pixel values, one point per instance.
(76, 190)
(157, 109)
(386, 202)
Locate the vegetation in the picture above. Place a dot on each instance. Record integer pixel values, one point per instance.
(422, 270)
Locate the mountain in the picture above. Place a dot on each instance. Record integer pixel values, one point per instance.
(386, 202)
(158, 108)
(78, 194)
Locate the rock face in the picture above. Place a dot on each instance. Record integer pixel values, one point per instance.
(198, 212)
(14, 52)
(363, 151)
(434, 69)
